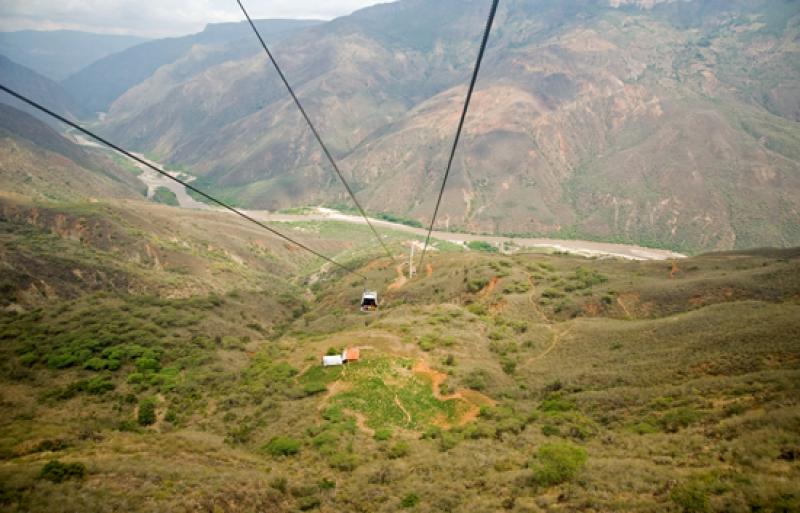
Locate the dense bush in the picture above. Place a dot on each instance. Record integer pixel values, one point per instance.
(282, 446)
(691, 498)
(410, 500)
(558, 462)
(399, 450)
(383, 435)
(147, 412)
(57, 472)
(476, 380)
(98, 385)
(394, 218)
(674, 420)
(344, 461)
(478, 245)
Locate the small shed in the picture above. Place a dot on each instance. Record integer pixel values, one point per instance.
(351, 354)
(332, 361)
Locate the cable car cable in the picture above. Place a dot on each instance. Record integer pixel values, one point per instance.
(313, 129)
(174, 179)
(484, 42)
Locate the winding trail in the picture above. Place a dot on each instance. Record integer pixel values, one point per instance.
(401, 279)
(557, 337)
(534, 304)
(403, 409)
(473, 399)
(624, 308)
(361, 422)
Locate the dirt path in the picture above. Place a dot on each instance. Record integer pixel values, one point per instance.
(403, 409)
(557, 337)
(624, 308)
(337, 387)
(361, 422)
(401, 278)
(534, 304)
(473, 399)
(489, 287)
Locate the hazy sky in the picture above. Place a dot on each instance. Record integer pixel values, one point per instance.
(158, 18)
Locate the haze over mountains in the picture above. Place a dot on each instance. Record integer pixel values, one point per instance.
(58, 54)
(662, 123)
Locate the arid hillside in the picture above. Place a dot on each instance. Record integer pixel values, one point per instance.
(663, 123)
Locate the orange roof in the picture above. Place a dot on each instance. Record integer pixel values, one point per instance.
(352, 353)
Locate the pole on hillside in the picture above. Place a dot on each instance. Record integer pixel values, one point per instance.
(411, 261)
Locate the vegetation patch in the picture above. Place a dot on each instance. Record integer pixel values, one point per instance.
(57, 472)
(556, 463)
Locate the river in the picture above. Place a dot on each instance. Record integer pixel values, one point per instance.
(154, 180)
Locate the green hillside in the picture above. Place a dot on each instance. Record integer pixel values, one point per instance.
(158, 358)
(189, 377)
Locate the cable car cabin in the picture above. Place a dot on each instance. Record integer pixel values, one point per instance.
(369, 301)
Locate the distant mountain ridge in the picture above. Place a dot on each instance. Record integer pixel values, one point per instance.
(99, 84)
(57, 54)
(621, 121)
(37, 87)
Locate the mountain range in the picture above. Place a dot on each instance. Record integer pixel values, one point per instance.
(669, 124)
(58, 54)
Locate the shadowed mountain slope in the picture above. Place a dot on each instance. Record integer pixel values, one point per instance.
(97, 85)
(38, 162)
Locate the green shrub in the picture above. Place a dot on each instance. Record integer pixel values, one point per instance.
(383, 435)
(28, 359)
(282, 446)
(478, 245)
(549, 430)
(410, 500)
(428, 342)
(509, 366)
(558, 462)
(399, 450)
(307, 503)
(58, 472)
(99, 385)
(674, 420)
(135, 378)
(314, 387)
(555, 403)
(326, 484)
(344, 461)
(477, 285)
(644, 428)
(691, 497)
(95, 364)
(147, 412)
(394, 218)
(476, 308)
(61, 360)
(476, 380)
(279, 483)
(145, 364)
(552, 293)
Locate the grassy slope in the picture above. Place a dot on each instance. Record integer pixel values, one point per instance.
(682, 390)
